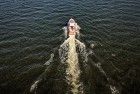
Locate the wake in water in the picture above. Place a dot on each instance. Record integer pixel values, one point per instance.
(34, 86)
(68, 54)
(113, 89)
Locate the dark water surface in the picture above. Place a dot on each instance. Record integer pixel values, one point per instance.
(30, 30)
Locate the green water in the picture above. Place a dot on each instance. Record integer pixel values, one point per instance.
(30, 30)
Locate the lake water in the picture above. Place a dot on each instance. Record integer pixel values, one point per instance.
(31, 30)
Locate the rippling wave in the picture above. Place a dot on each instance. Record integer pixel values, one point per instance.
(30, 30)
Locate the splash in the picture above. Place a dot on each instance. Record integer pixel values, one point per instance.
(73, 70)
(50, 60)
(34, 86)
(68, 54)
(114, 90)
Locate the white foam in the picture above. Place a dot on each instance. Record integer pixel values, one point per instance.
(68, 55)
(73, 70)
(114, 90)
(50, 60)
(34, 86)
(112, 87)
(65, 31)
